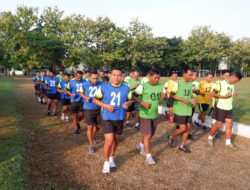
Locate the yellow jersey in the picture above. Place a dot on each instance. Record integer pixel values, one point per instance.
(205, 87)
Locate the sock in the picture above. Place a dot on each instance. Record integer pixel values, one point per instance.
(137, 124)
(203, 123)
(181, 146)
(141, 145)
(148, 155)
(198, 121)
(44, 100)
(111, 158)
(228, 141)
(106, 163)
(210, 137)
(127, 122)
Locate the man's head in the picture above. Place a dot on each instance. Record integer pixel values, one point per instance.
(116, 76)
(131, 73)
(101, 73)
(136, 74)
(123, 76)
(224, 75)
(47, 72)
(209, 77)
(79, 75)
(38, 72)
(87, 74)
(94, 77)
(67, 77)
(51, 73)
(235, 77)
(187, 74)
(61, 72)
(154, 76)
(105, 79)
(194, 76)
(43, 73)
(174, 76)
(106, 73)
(72, 75)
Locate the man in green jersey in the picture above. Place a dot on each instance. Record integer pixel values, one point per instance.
(127, 78)
(133, 83)
(149, 97)
(223, 111)
(184, 101)
(145, 79)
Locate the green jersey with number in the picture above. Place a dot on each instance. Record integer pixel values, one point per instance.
(151, 94)
(223, 88)
(183, 90)
(133, 82)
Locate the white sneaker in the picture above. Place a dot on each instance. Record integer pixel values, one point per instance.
(141, 149)
(150, 160)
(62, 117)
(67, 118)
(112, 162)
(106, 168)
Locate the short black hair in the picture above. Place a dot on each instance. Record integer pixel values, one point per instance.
(105, 79)
(116, 68)
(186, 69)
(173, 72)
(132, 70)
(67, 74)
(237, 74)
(209, 74)
(224, 72)
(51, 71)
(194, 71)
(79, 72)
(87, 71)
(136, 71)
(154, 71)
(94, 72)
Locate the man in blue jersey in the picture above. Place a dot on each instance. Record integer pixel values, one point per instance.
(36, 85)
(43, 89)
(76, 100)
(91, 110)
(50, 84)
(65, 98)
(115, 97)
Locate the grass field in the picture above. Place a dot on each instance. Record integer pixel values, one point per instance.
(55, 159)
(241, 103)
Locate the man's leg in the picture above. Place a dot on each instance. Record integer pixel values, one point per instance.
(115, 144)
(108, 144)
(128, 113)
(181, 130)
(229, 126)
(55, 102)
(185, 134)
(49, 105)
(137, 125)
(215, 128)
(171, 114)
(90, 134)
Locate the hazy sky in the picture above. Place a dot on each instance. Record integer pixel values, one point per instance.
(166, 17)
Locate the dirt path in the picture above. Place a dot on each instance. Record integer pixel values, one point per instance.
(59, 160)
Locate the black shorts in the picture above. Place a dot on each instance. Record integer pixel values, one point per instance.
(37, 88)
(43, 91)
(148, 126)
(77, 107)
(203, 107)
(92, 117)
(110, 126)
(66, 102)
(182, 119)
(52, 96)
(221, 115)
(170, 102)
(133, 107)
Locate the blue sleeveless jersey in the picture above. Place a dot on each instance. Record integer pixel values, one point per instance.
(74, 87)
(115, 96)
(52, 84)
(62, 85)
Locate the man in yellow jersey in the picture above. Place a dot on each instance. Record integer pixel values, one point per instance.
(223, 111)
(204, 100)
(169, 86)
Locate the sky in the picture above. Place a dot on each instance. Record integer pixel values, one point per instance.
(166, 17)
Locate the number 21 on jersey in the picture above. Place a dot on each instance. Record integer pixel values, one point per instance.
(116, 98)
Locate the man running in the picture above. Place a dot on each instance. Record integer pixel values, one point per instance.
(51, 84)
(182, 109)
(36, 86)
(169, 86)
(150, 94)
(223, 111)
(127, 78)
(134, 82)
(91, 110)
(86, 75)
(76, 100)
(204, 100)
(43, 89)
(101, 75)
(65, 98)
(115, 97)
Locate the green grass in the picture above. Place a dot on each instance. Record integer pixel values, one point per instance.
(11, 140)
(241, 104)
